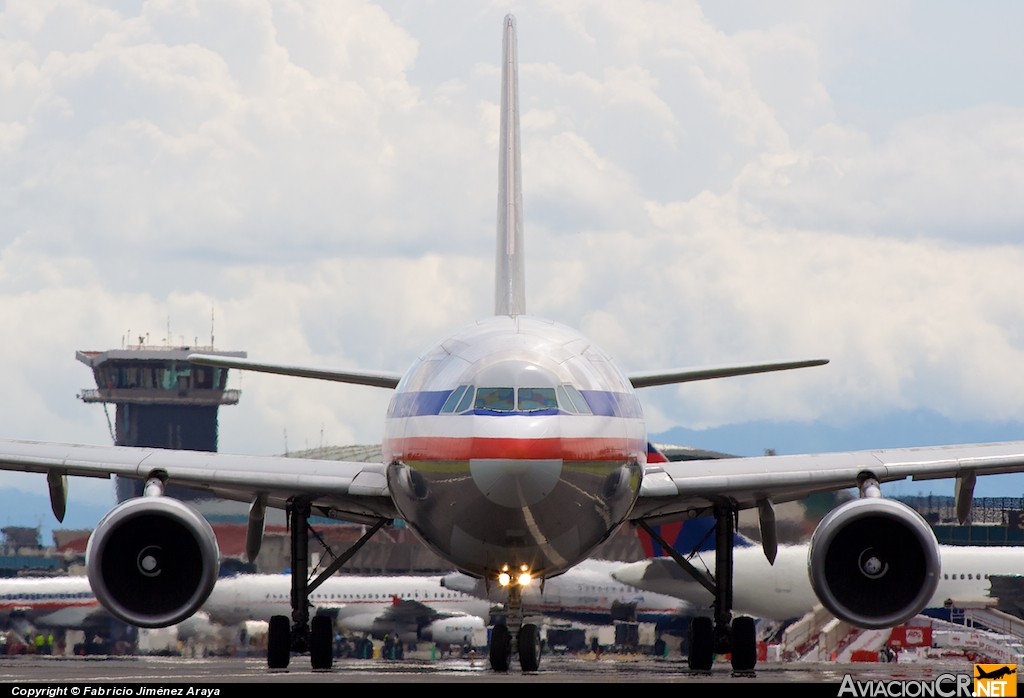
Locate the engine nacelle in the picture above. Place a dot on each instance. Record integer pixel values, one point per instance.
(874, 562)
(457, 630)
(152, 561)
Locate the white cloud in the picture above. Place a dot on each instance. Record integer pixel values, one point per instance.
(704, 184)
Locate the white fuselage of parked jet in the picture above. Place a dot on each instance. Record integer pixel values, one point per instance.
(409, 607)
(783, 591)
(51, 602)
(355, 601)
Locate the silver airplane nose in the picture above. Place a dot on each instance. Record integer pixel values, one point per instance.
(525, 468)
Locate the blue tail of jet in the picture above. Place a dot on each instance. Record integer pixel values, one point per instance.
(685, 537)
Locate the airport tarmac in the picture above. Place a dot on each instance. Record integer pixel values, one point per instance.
(71, 673)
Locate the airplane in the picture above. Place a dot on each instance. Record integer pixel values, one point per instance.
(29, 605)
(408, 608)
(377, 604)
(512, 449)
(51, 602)
(405, 607)
(784, 590)
(996, 674)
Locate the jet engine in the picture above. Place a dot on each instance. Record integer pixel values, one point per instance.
(874, 562)
(152, 561)
(457, 630)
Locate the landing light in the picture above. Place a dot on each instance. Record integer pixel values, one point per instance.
(523, 578)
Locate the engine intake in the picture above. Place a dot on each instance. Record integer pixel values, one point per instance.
(152, 561)
(874, 562)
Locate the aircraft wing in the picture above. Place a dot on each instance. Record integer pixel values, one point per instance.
(687, 375)
(679, 489)
(415, 613)
(379, 379)
(348, 490)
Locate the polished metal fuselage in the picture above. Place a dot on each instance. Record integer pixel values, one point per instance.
(536, 487)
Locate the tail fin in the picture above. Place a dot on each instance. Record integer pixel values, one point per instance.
(510, 286)
(685, 537)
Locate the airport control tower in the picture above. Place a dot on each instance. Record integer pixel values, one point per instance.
(161, 399)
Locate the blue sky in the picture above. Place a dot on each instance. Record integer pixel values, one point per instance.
(705, 183)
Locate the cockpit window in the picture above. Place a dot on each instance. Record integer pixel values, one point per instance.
(467, 400)
(572, 400)
(533, 399)
(453, 399)
(496, 399)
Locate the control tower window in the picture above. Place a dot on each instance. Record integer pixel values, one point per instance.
(202, 377)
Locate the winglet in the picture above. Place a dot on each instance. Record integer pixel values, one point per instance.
(509, 291)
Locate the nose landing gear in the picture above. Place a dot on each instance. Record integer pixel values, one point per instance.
(515, 637)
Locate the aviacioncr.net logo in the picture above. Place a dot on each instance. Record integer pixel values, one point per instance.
(995, 680)
(942, 686)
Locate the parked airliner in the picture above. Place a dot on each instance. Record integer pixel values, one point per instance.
(783, 590)
(410, 608)
(512, 448)
(406, 607)
(51, 602)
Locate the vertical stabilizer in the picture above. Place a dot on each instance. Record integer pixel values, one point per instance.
(509, 290)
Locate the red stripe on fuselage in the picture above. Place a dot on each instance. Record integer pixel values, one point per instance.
(448, 448)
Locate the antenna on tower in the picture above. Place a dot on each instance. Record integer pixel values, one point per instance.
(211, 328)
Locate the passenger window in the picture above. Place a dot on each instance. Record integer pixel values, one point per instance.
(532, 399)
(496, 399)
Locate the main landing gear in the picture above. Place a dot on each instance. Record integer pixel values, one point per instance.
(302, 634)
(515, 637)
(720, 634)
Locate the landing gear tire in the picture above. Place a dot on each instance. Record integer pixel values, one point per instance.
(529, 647)
(501, 645)
(660, 648)
(744, 644)
(321, 643)
(702, 644)
(279, 642)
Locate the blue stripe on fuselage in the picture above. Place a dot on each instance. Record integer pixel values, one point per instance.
(604, 403)
(429, 402)
(418, 403)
